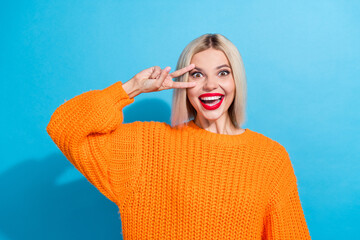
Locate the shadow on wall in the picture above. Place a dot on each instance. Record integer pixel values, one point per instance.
(34, 206)
(147, 110)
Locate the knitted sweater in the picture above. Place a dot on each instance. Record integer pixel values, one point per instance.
(181, 182)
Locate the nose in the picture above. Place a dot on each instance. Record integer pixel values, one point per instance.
(210, 84)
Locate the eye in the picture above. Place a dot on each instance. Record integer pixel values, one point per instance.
(196, 74)
(224, 73)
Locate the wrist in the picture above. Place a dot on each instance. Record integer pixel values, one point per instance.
(130, 87)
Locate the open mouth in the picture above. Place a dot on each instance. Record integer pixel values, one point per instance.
(211, 102)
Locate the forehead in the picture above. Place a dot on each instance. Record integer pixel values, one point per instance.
(209, 58)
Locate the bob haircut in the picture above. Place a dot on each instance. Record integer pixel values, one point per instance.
(182, 110)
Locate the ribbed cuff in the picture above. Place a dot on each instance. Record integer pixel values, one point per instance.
(117, 94)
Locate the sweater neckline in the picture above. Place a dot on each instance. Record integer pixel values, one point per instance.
(218, 137)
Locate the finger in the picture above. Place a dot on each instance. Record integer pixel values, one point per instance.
(182, 71)
(156, 72)
(183, 84)
(163, 75)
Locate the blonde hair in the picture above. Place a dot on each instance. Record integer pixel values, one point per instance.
(182, 111)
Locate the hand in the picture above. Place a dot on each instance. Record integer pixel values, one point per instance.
(156, 79)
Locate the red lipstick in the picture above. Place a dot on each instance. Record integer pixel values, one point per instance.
(209, 106)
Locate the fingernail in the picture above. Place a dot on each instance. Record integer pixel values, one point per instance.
(167, 69)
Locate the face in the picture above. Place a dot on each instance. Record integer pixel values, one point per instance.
(215, 88)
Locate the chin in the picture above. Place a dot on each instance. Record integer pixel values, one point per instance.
(212, 116)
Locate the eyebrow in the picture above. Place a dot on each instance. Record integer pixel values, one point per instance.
(218, 67)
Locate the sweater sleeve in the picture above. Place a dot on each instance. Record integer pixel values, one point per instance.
(87, 127)
(285, 218)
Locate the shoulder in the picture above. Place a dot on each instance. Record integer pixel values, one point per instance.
(274, 153)
(156, 126)
(277, 159)
(149, 127)
(266, 142)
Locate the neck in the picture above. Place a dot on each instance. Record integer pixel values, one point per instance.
(222, 125)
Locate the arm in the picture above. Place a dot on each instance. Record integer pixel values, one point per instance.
(88, 129)
(84, 129)
(285, 218)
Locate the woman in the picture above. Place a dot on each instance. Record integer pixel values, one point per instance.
(206, 178)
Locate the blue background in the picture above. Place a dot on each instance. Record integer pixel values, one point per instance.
(302, 62)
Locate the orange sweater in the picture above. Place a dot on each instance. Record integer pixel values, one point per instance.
(180, 183)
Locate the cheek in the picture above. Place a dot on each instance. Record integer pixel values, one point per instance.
(229, 87)
(190, 94)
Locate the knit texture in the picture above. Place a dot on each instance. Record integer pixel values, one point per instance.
(181, 182)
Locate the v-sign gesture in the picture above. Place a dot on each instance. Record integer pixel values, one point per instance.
(156, 79)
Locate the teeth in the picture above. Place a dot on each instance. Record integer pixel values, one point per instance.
(211, 98)
(212, 104)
